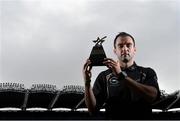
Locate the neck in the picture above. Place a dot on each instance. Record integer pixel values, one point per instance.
(126, 65)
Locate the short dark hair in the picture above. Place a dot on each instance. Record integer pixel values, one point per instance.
(123, 34)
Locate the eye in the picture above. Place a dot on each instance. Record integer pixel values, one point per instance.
(120, 45)
(129, 45)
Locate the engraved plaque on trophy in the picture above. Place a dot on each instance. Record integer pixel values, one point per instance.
(97, 53)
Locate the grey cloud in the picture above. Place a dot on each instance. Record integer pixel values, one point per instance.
(48, 42)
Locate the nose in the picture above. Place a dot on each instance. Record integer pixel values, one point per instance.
(125, 48)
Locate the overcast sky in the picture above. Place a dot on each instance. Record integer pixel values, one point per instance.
(48, 41)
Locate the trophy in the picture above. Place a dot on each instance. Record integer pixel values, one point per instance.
(97, 53)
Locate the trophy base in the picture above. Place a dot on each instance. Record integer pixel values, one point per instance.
(97, 60)
(97, 56)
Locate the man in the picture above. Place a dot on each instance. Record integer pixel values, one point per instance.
(125, 89)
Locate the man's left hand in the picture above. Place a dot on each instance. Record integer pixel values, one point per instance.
(113, 65)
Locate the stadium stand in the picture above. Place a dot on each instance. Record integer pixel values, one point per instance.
(12, 95)
(39, 96)
(44, 101)
(69, 97)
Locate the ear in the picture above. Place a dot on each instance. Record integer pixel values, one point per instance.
(114, 50)
(135, 49)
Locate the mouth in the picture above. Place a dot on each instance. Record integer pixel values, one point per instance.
(125, 55)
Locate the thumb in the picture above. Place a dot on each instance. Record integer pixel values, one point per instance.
(118, 63)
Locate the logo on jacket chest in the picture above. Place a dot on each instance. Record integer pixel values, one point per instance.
(112, 79)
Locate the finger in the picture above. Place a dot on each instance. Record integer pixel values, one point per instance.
(90, 67)
(85, 64)
(110, 62)
(107, 59)
(109, 66)
(118, 63)
(86, 68)
(107, 63)
(88, 62)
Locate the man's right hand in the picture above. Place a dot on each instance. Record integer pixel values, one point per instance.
(87, 71)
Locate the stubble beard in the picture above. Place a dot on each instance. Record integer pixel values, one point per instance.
(125, 58)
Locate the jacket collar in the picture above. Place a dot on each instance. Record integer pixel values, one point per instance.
(130, 68)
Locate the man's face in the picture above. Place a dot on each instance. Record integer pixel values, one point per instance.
(125, 49)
